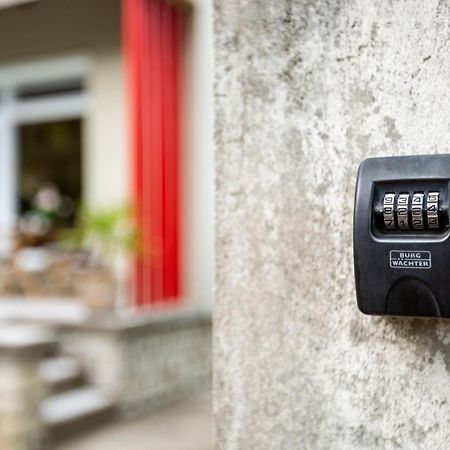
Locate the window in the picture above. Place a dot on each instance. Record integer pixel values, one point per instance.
(42, 106)
(50, 152)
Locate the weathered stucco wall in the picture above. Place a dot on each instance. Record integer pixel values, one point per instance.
(304, 91)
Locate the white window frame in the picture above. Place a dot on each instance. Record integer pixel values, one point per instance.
(15, 112)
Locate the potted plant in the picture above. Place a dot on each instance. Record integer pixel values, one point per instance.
(105, 238)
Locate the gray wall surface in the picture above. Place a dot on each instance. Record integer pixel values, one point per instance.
(304, 91)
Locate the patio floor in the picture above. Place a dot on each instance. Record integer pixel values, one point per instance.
(186, 425)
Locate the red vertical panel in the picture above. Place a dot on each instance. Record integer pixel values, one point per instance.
(175, 169)
(132, 39)
(153, 151)
(171, 112)
(152, 44)
(165, 111)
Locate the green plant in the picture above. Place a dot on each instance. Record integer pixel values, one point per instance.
(104, 233)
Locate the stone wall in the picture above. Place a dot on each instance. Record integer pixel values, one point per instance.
(20, 394)
(143, 362)
(305, 90)
(21, 388)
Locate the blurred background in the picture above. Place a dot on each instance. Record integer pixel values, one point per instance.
(106, 224)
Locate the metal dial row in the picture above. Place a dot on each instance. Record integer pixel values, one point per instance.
(417, 211)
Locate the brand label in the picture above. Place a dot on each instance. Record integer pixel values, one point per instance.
(406, 259)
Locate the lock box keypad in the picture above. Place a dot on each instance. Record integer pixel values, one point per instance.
(409, 210)
(398, 209)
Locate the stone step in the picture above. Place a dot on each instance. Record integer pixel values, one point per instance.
(61, 373)
(71, 411)
(16, 335)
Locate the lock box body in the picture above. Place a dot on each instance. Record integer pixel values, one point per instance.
(401, 236)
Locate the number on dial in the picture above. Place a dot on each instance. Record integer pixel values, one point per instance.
(417, 211)
(388, 211)
(433, 210)
(402, 211)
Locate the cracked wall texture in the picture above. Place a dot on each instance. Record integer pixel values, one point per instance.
(304, 91)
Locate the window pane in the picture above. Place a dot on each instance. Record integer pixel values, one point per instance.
(50, 152)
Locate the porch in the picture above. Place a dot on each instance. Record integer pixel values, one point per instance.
(65, 369)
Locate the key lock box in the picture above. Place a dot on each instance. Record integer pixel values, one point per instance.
(401, 236)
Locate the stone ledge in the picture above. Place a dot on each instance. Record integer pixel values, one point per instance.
(153, 321)
(25, 339)
(143, 360)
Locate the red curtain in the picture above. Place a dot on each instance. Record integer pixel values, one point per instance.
(152, 46)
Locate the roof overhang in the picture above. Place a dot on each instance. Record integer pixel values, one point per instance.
(9, 3)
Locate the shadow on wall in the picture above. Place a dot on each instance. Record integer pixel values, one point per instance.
(430, 338)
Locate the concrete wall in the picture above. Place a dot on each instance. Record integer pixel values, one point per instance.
(144, 362)
(91, 28)
(304, 91)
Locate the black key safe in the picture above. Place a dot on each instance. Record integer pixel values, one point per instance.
(401, 236)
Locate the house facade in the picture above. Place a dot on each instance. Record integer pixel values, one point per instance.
(110, 100)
